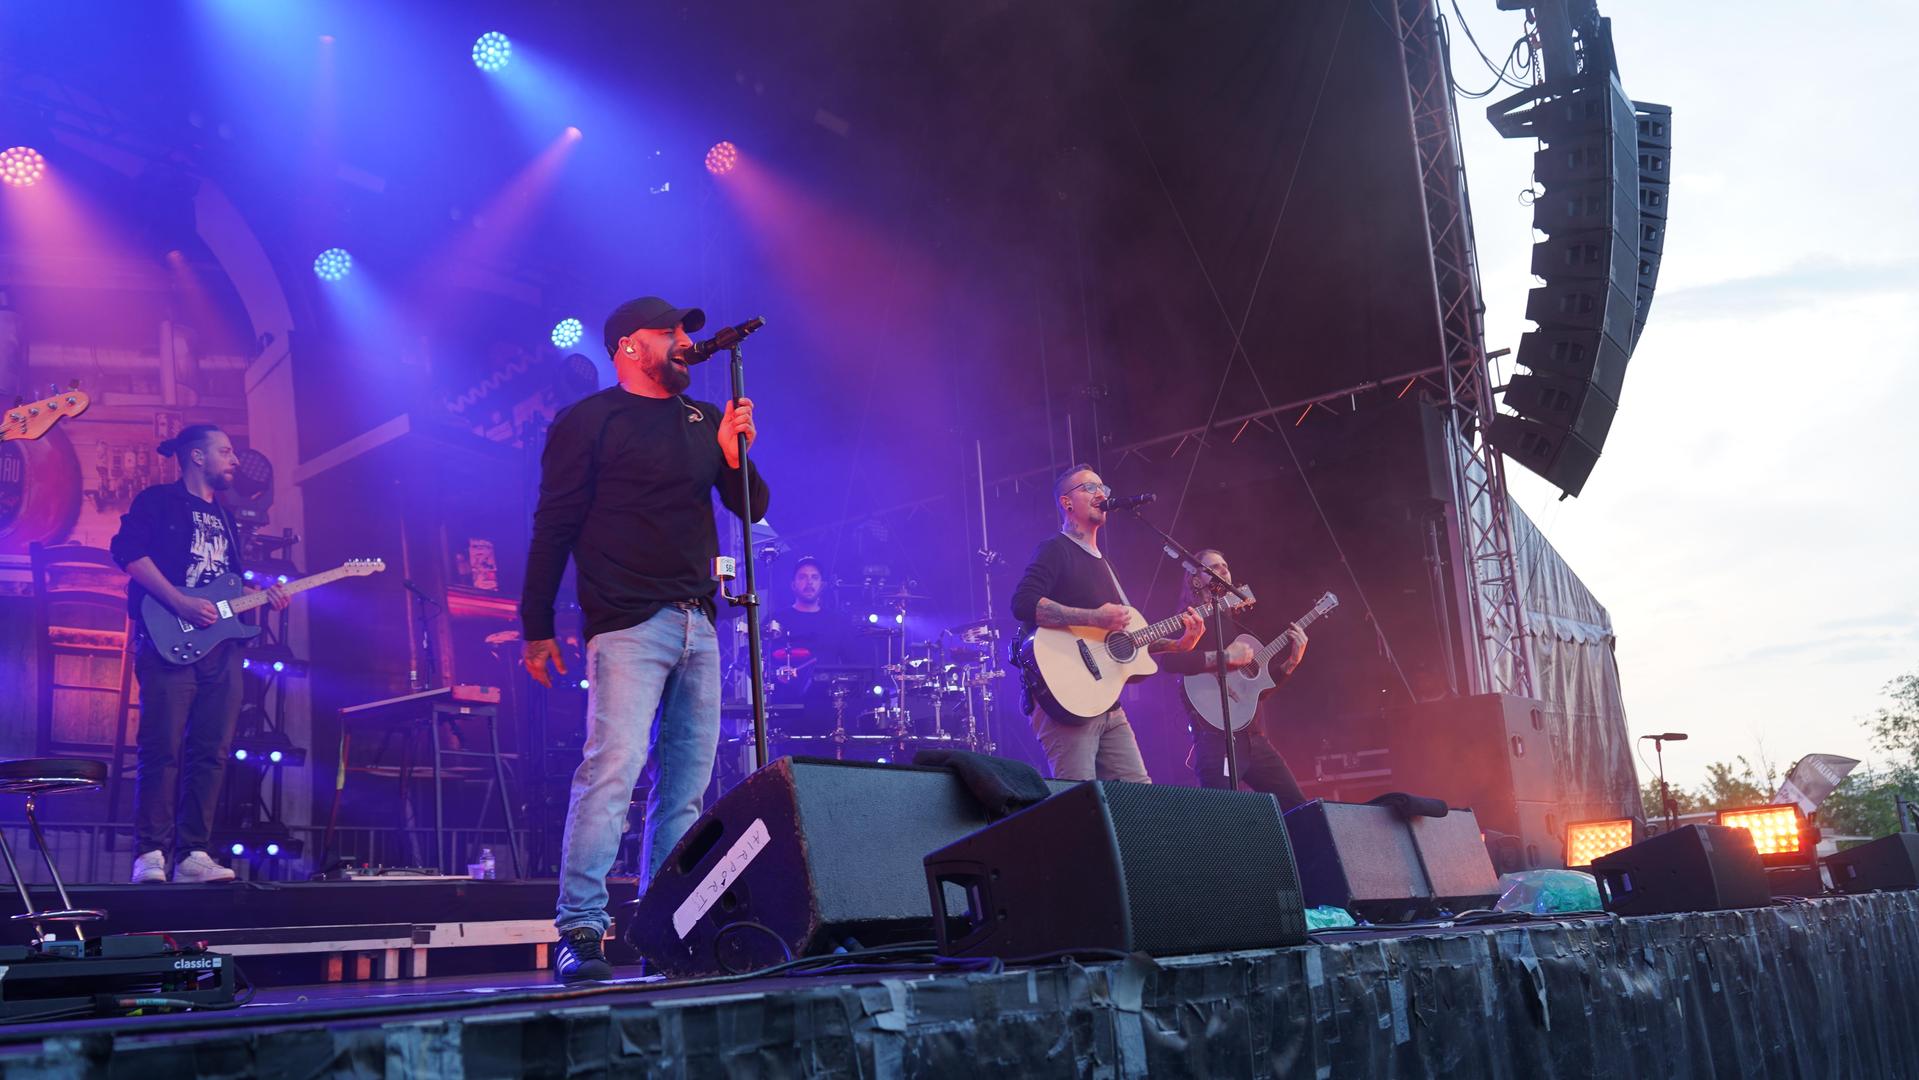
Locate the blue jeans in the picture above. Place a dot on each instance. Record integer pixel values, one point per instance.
(670, 664)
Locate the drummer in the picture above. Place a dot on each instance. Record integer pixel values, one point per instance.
(805, 635)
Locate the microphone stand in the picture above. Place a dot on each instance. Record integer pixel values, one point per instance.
(1669, 807)
(750, 598)
(1220, 588)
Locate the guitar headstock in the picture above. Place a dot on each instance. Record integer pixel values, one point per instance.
(30, 419)
(363, 567)
(1240, 600)
(1326, 603)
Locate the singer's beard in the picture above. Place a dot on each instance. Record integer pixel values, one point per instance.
(673, 375)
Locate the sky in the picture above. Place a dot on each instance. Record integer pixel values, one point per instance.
(1751, 524)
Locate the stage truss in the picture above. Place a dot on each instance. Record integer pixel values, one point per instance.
(1485, 571)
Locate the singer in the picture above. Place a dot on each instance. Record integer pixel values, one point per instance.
(625, 483)
(1069, 583)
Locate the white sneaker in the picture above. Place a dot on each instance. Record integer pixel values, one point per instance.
(198, 866)
(150, 868)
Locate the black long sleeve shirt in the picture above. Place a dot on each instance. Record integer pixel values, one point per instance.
(191, 540)
(1067, 574)
(626, 488)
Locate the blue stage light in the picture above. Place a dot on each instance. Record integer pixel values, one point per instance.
(879, 691)
(900, 618)
(283, 579)
(240, 755)
(275, 756)
(567, 333)
(492, 51)
(248, 575)
(246, 661)
(279, 666)
(583, 685)
(873, 618)
(333, 264)
(273, 849)
(238, 848)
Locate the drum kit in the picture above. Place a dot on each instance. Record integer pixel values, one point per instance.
(933, 694)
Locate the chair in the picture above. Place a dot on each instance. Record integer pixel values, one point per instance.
(34, 777)
(85, 663)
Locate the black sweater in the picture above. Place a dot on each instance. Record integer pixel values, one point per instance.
(192, 541)
(626, 488)
(1065, 573)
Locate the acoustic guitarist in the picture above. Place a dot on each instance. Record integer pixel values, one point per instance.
(174, 537)
(1260, 765)
(1069, 583)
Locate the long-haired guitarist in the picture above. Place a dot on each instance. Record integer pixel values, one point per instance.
(1069, 583)
(175, 537)
(1260, 765)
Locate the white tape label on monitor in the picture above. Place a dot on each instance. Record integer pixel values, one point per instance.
(721, 877)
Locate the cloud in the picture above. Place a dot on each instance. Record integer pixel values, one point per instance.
(1806, 281)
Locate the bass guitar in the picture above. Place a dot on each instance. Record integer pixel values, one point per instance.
(32, 419)
(1076, 673)
(1245, 687)
(180, 642)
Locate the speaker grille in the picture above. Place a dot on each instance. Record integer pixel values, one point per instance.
(1244, 894)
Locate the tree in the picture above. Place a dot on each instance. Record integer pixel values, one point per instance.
(1656, 810)
(1728, 787)
(1861, 806)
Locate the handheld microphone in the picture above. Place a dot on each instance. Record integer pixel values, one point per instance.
(702, 351)
(1126, 502)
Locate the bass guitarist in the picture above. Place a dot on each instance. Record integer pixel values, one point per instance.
(174, 537)
(1069, 583)
(1260, 765)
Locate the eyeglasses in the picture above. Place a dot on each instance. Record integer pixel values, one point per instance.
(1091, 488)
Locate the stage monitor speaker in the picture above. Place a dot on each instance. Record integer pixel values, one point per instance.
(801, 857)
(1692, 868)
(1383, 868)
(1890, 862)
(1122, 867)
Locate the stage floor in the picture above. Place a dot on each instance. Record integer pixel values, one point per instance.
(1816, 988)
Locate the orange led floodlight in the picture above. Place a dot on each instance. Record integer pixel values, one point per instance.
(1776, 830)
(1588, 840)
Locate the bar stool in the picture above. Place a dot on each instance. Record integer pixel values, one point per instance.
(34, 777)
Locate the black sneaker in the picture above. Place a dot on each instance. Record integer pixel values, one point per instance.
(578, 957)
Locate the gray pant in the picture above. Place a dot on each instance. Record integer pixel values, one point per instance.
(187, 715)
(1102, 749)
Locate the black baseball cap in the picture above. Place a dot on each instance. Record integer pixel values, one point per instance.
(649, 313)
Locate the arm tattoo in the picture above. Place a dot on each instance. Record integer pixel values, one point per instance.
(1052, 613)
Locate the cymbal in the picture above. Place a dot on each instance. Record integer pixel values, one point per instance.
(902, 594)
(796, 652)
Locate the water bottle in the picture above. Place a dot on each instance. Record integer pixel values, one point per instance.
(486, 861)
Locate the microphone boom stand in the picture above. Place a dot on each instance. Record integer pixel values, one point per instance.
(750, 597)
(1220, 589)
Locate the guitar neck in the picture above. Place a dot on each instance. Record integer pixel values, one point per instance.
(1170, 626)
(1272, 648)
(312, 581)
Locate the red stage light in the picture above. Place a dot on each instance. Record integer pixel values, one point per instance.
(721, 159)
(1776, 830)
(21, 166)
(1588, 840)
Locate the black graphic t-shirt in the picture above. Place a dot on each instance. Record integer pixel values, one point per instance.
(190, 539)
